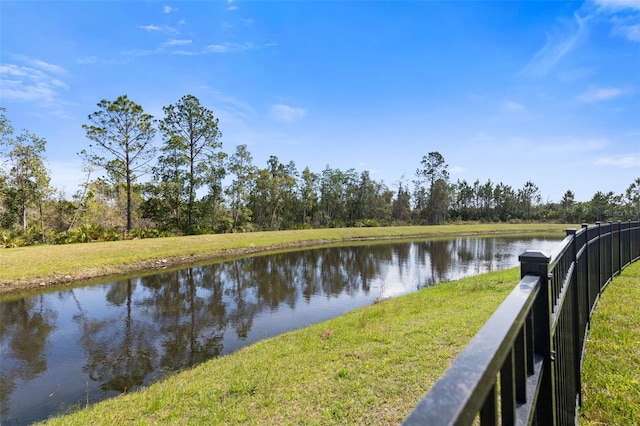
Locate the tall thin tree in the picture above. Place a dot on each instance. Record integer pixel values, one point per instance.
(191, 132)
(123, 131)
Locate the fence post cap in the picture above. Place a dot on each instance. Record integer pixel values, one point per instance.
(571, 231)
(534, 256)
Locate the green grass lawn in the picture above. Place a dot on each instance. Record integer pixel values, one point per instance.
(611, 368)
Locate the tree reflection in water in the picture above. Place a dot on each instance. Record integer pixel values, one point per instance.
(25, 327)
(121, 335)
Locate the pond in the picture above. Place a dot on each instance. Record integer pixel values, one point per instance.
(60, 350)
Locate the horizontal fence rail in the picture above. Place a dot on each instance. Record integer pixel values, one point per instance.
(524, 365)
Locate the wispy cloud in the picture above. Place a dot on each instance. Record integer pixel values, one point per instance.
(617, 4)
(149, 27)
(286, 113)
(36, 80)
(169, 9)
(239, 106)
(228, 47)
(92, 59)
(624, 161)
(154, 28)
(624, 16)
(55, 69)
(173, 47)
(175, 42)
(556, 48)
(627, 27)
(599, 94)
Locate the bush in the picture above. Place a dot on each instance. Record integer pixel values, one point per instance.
(367, 223)
(9, 239)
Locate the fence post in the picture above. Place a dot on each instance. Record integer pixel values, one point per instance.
(587, 278)
(599, 258)
(619, 259)
(577, 331)
(610, 254)
(536, 262)
(629, 225)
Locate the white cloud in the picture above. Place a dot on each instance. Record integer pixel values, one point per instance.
(40, 64)
(555, 49)
(228, 47)
(185, 52)
(47, 66)
(599, 94)
(624, 161)
(286, 113)
(174, 42)
(154, 28)
(59, 83)
(168, 9)
(217, 48)
(149, 27)
(38, 82)
(16, 90)
(457, 170)
(618, 4)
(624, 28)
(17, 71)
(624, 16)
(86, 60)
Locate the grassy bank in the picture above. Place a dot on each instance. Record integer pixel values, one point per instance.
(39, 266)
(369, 366)
(611, 368)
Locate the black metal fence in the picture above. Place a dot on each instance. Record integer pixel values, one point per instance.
(524, 365)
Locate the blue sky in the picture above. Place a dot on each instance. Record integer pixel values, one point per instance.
(547, 91)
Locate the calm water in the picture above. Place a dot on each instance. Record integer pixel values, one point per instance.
(59, 349)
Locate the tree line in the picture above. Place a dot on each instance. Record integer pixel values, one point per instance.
(189, 184)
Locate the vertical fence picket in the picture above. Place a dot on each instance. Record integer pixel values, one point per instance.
(536, 263)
